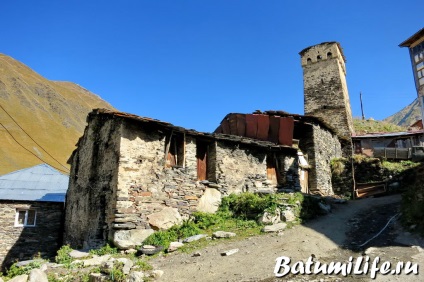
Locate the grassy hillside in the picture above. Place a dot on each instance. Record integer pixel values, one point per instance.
(407, 116)
(53, 113)
(373, 126)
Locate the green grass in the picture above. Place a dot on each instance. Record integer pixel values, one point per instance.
(238, 214)
(373, 126)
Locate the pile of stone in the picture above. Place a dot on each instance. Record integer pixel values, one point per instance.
(105, 263)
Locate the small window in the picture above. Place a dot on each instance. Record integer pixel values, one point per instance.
(329, 55)
(308, 61)
(319, 57)
(25, 218)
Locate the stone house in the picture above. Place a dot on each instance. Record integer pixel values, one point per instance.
(314, 138)
(132, 174)
(31, 213)
(129, 171)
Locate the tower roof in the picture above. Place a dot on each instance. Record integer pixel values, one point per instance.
(301, 53)
(408, 42)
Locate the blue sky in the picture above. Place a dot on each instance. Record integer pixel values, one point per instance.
(192, 62)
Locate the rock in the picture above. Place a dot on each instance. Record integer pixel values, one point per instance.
(19, 278)
(258, 184)
(214, 185)
(135, 276)
(223, 234)
(157, 273)
(149, 247)
(230, 252)
(98, 277)
(210, 200)
(165, 219)
(288, 216)
(324, 208)
(194, 238)
(275, 228)
(173, 246)
(96, 260)
(196, 254)
(127, 265)
(130, 251)
(129, 239)
(269, 218)
(204, 182)
(1, 280)
(78, 254)
(26, 262)
(37, 275)
(44, 267)
(107, 266)
(370, 250)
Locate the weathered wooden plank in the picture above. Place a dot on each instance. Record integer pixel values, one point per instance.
(285, 136)
(251, 126)
(263, 127)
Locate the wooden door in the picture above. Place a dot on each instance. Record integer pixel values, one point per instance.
(201, 155)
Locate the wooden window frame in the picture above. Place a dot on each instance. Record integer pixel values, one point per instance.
(25, 224)
(175, 150)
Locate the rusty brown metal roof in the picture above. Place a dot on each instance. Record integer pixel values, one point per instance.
(192, 132)
(408, 42)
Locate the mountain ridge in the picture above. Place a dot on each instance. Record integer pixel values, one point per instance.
(53, 113)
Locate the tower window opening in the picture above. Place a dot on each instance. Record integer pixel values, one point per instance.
(319, 57)
(329, 55)
(308, 61)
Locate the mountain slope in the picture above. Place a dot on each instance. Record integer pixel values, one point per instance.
(407, 116)
(52, 113)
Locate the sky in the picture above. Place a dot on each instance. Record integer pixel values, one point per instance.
(191, 62)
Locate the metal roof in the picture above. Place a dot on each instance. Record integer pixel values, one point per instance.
(38, 183)
(388, 134)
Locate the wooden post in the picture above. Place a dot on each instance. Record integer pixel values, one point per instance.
(362, 107)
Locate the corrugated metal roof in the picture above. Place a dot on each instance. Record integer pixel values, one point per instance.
(38, 183)
(388, 134)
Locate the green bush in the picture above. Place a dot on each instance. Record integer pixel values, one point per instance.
(26, 269)
(143, 265)
(162, 238)
(105, 250)
(205, 220)
(63, 256)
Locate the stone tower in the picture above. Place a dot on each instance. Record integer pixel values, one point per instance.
(325, 89)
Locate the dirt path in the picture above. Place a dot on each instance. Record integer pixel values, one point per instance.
(333, 237)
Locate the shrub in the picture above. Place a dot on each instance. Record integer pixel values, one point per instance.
(63, 256)
(205, 220)
(26, 269)
(143, 265)
(105, 250)
(162, 238)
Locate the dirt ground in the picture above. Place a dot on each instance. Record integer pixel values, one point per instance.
(333, 237)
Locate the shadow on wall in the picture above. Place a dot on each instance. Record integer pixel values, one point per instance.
(30, 230)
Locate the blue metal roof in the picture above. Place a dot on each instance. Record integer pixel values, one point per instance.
(38, 183)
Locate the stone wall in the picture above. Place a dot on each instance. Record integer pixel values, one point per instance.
(320, 146)
(92, 184)
(120, 179)
(21, 243)
(325, 90)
